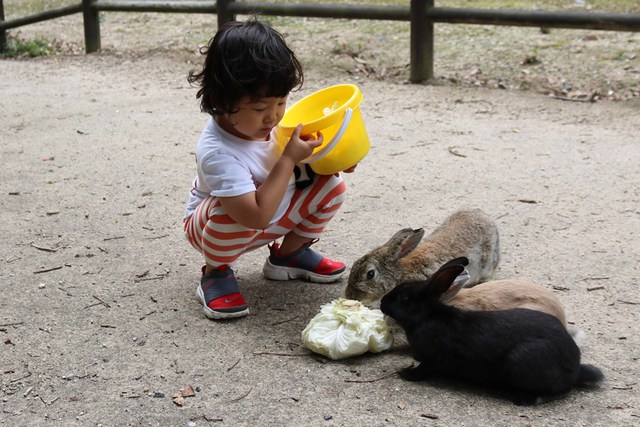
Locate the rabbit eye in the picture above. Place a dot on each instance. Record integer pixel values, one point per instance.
(371, 274)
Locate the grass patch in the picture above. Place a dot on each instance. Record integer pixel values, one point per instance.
(35, 47)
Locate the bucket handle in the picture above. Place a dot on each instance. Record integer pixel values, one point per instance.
(334, 141)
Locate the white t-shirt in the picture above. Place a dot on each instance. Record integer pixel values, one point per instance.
(229, 166)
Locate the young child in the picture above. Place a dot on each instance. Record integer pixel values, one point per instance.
(245, 194)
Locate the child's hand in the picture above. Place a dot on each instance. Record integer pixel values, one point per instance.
(300, 147)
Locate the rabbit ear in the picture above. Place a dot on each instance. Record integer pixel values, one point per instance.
(442, 279)
(459, 283)
(456, 261)
(403, 242)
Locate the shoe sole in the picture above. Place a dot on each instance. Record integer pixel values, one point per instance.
(276, 272)
(218, 315)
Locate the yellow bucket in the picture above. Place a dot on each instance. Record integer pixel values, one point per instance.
(334, 111)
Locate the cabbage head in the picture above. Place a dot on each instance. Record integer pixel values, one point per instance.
(346, 328)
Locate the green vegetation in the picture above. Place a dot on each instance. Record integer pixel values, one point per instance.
(35, 47)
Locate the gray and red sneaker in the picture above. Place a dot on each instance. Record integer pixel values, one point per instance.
(220, 295)
(303, 263)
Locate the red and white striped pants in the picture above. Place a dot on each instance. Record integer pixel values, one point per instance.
(221, 240)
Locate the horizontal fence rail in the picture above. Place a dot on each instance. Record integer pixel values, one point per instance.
(40, 17)
(422, 15)
(157, 6)
(537, 18)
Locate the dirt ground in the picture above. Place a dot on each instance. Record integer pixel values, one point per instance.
(99, 320)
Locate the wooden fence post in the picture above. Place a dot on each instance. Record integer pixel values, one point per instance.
(91, 26)
(224, 15)
(421, 41)
(3, 32)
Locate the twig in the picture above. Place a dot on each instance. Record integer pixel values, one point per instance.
(372, 380)
(12, 324)
(141, 275)
(243, 396)
(453, 151)
(430, 416)
(626, 387)
(212, 420)
(107, 305)
(157, 237)
(48, 270)
(566, 98)
(273, 353)
(148, 314)
(145, 279)
(595, 288)
(595, 278)
(620, 300)
(234, 365)
(113, 238)
(92, 305)
(42, 248)
(398, 153)
(285, 321)
(206, 418)
(21, 378)
(49, 402)
(98, 303)
(69, 294)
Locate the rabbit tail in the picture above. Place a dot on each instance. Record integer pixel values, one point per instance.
(589, 375)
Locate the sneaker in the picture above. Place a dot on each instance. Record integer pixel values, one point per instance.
(302, 264)
(220, 295)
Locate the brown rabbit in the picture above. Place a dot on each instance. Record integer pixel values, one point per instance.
(468, 233)
(464, 232)
(505, 294)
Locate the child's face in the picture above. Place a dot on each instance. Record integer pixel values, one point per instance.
(255, 119)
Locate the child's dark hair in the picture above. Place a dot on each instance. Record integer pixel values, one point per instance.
(245, 59)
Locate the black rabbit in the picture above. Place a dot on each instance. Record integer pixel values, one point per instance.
(525, 351)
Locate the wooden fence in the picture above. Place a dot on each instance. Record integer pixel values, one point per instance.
(421, 14)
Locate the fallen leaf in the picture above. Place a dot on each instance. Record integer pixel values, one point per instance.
(187, 391)
(178, 400)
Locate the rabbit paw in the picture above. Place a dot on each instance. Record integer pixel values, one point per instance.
(416, 373)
